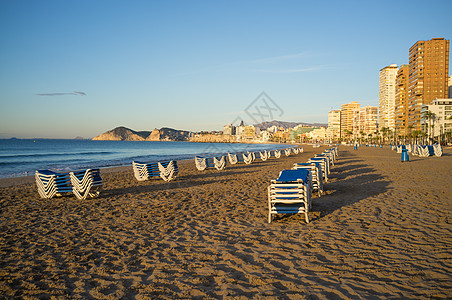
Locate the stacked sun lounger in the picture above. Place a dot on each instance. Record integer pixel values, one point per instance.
(276, 153)
(325, 166)
(421, 150)
(86, 183)
(51, 184)
(263, 155)
(248, 158)
(83, 184)
(167, 170)
(316, 173)
(290, 194)
(233, 158)
(203, 163)
(438, 150)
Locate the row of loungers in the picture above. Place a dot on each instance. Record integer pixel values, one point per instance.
(291, 192)
(88, 183)
(219, 163)
(421, 150)
(83, 184)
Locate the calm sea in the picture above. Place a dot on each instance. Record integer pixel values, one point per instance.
(21, 157)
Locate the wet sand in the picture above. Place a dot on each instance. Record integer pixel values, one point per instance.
(382, 230)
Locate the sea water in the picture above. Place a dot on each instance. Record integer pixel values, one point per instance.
(21, 157)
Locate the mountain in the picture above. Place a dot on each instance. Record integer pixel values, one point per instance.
(286, 125)
(125, 134)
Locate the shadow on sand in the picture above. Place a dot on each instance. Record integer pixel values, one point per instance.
(350, 182)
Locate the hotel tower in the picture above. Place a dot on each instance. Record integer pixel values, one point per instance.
(428, 76)
(401, 101)
(386, 95)
(348, 114)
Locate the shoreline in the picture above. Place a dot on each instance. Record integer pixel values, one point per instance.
(24, 177)
(28, 179)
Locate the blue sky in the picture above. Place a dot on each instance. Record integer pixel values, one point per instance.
(196, 65)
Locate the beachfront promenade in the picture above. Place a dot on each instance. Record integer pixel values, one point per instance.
(381, 230)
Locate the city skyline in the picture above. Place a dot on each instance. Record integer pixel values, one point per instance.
(82, 68)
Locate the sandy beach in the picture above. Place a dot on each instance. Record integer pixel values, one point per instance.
(382, 230)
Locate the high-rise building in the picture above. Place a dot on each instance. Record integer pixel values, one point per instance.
(401, 101)
(333, 131)
(428, 76)
(368, 120)
(386, 96)
(348, 113)
(450, 86)
(365, 121)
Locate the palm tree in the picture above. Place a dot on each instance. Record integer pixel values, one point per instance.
(362, 136)
(410, 130)
(348, 133)
(384, 131)
(430, 116)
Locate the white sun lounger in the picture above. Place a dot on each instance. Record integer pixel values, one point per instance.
(248, 158)
(290, 194)
(324, 164)
(263, 155)
(438, 150)
(316, 173)
(51, 184)
(167, 170)
(203, 163)
(86, 183)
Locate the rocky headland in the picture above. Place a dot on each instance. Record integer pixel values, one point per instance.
(126, 134)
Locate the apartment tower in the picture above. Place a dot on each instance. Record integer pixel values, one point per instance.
(450, 86)
(333, 131)
(368, 120)
(428, 76)
(348, 114)
(401, 101)
(386, 96)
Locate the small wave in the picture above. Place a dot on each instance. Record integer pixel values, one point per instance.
(38, 155)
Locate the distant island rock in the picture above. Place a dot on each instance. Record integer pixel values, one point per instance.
(125, 134)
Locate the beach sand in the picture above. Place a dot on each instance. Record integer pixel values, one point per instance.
(382, 230)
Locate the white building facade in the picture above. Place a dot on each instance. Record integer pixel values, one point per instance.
(440, 120)
(333, 132)
(386, 96)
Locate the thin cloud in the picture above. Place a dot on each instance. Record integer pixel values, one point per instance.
(75, 93)
(279, 58)
(267, 62)
(288, 71)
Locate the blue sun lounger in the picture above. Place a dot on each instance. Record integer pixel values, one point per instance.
(86, 183)
(316, 173)
(325, 166)
(167, 170)
(51, 184)
(203, 163)
(290, 194)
